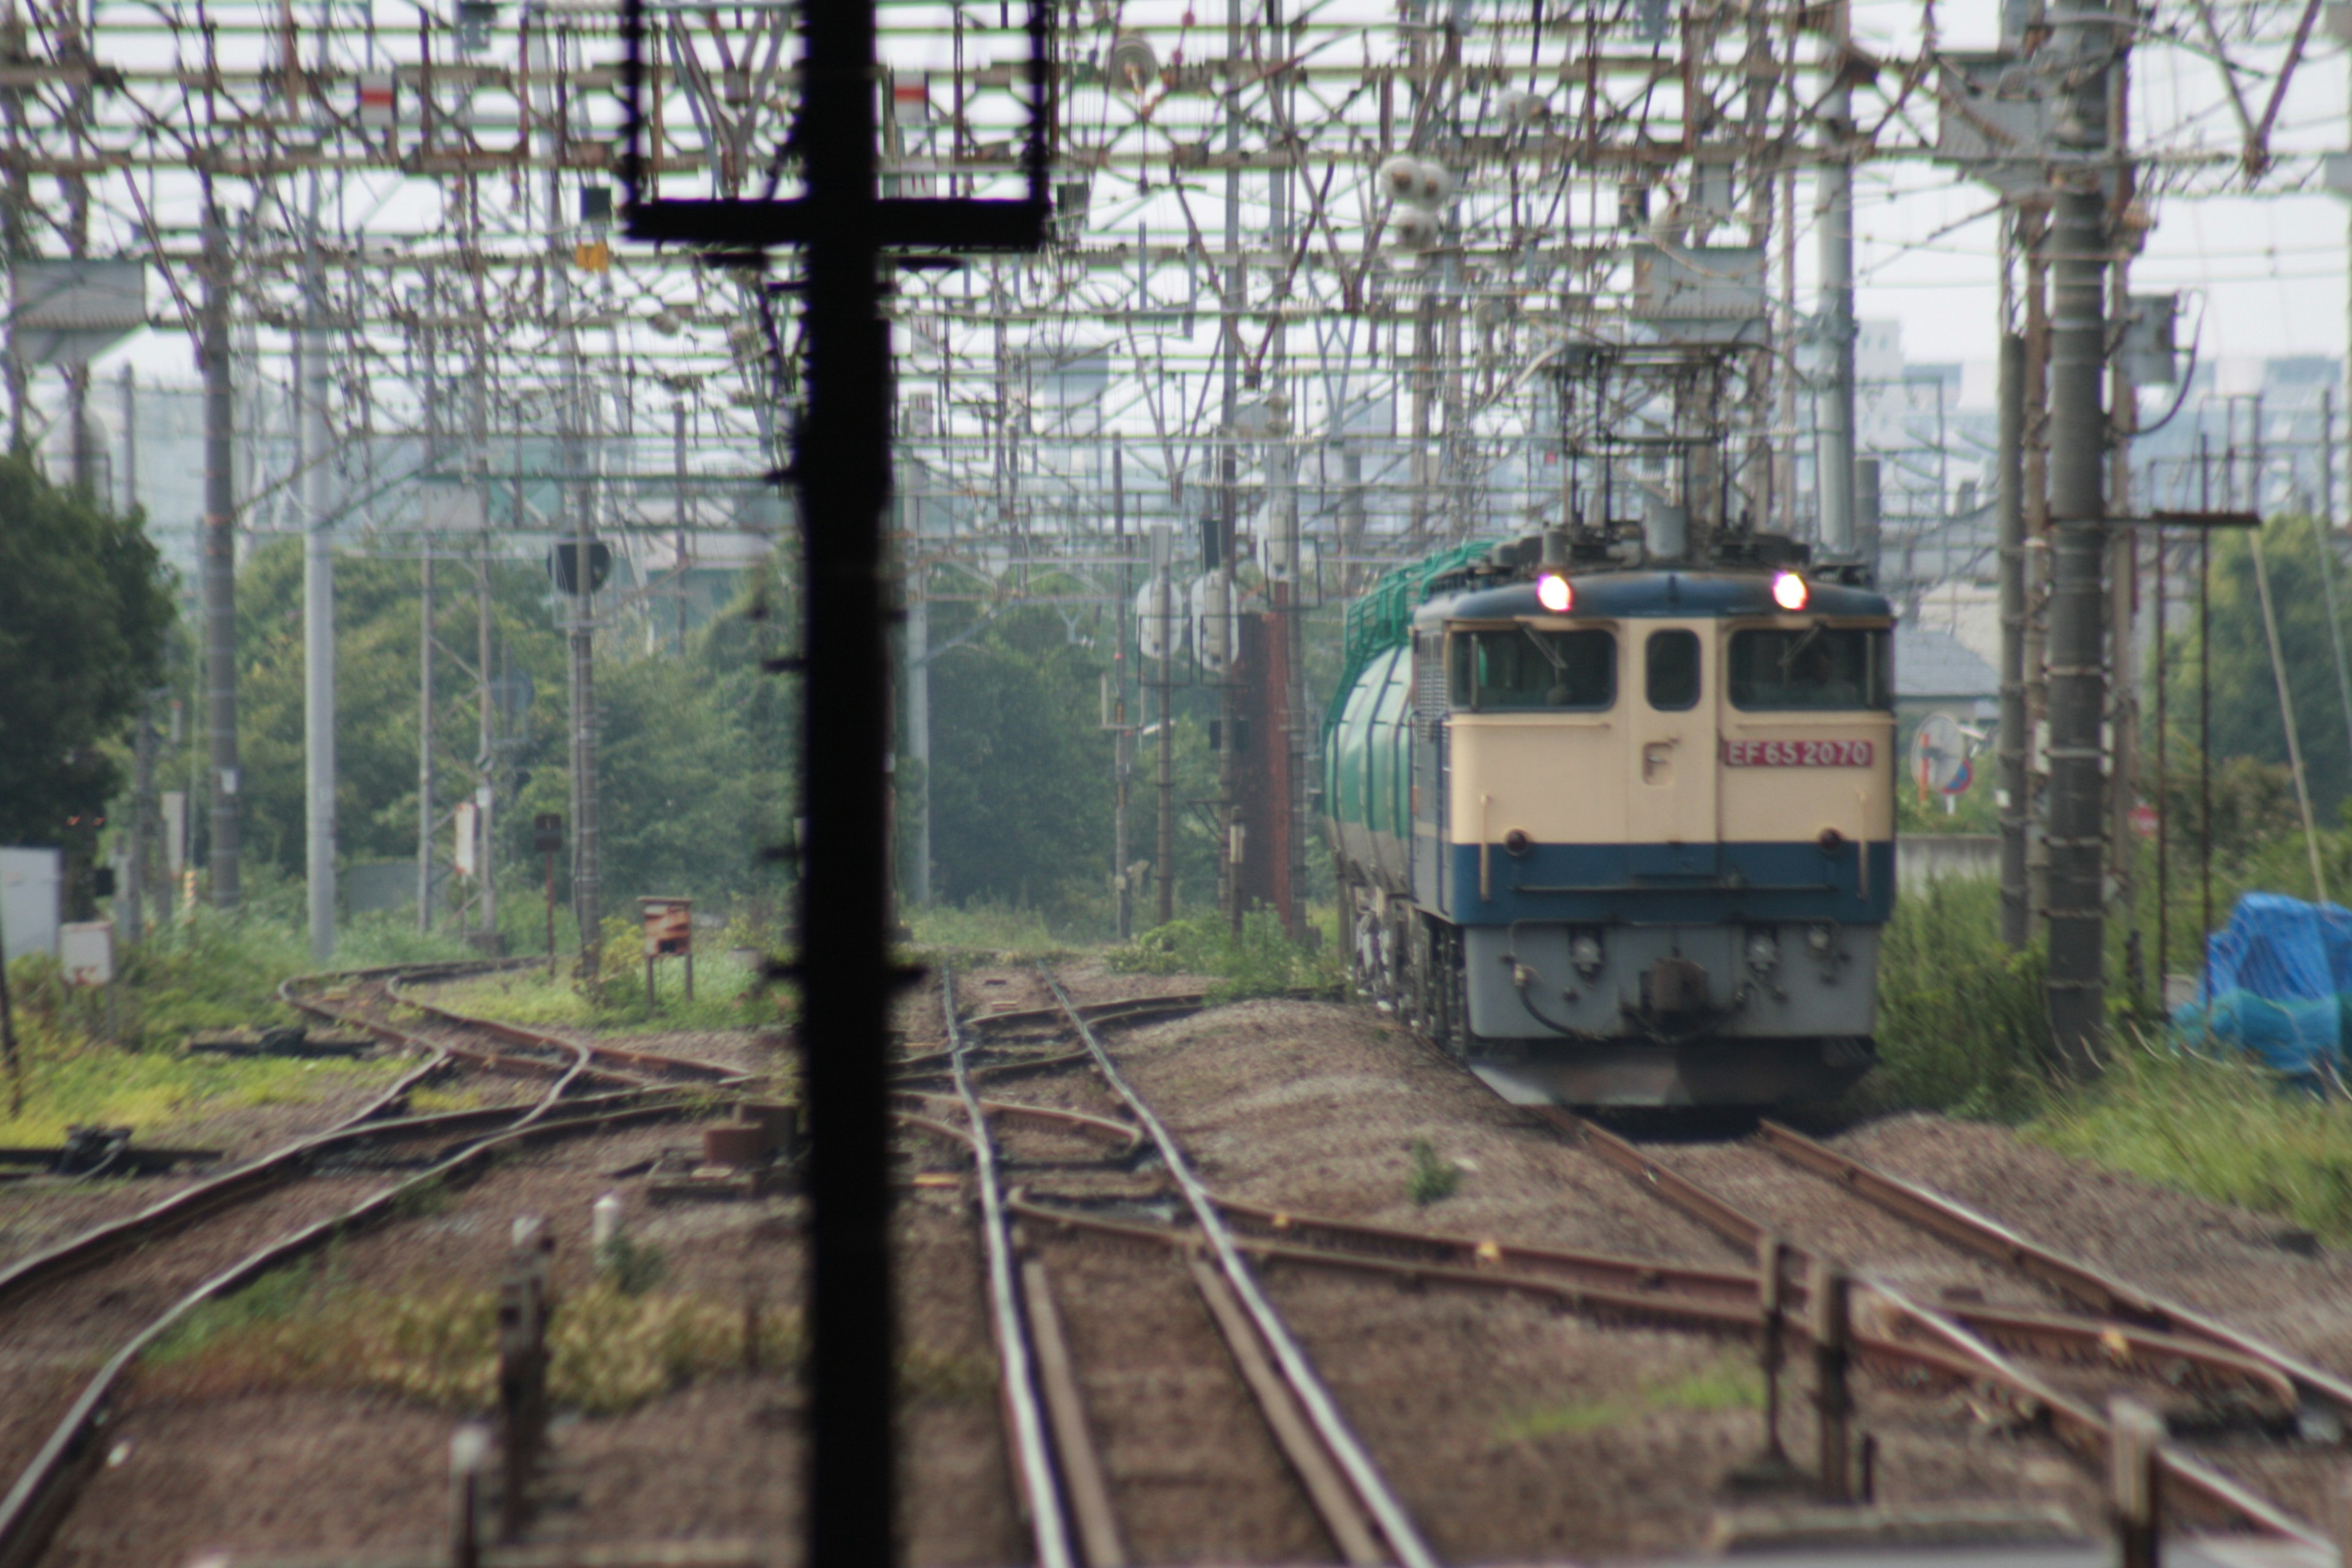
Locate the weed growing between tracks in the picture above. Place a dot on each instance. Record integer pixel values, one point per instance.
(1431, 1177)
(1259, 960)
(609, 1349)
(1731, 1383)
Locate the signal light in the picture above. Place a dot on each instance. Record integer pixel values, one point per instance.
(1553, 592)
(1789, 591)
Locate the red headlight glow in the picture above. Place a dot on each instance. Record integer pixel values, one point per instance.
(1789, 591)
(1553, 593)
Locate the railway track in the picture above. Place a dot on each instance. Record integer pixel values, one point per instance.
(1131, 1160)
(2057, 1368)
(2046, 1343)
(110, 1292)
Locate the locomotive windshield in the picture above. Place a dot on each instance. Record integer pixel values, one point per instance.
(1523, 668)
(1813, 666)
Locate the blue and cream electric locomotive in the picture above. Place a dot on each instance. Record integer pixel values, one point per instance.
(1619, 831)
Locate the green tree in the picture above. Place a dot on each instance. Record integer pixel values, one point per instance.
(376, 607)
(84, 608)
(2245, 704)
(1021, 769)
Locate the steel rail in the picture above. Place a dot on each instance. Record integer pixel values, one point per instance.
(2072, 1421)
(45, 1487)
(1979, 1233)
(1174, 1005)
(627, 1066)
(1024, 1406)
(1322, 1411)
(1053, 1116)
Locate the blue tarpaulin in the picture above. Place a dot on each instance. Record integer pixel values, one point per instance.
(2278, 979)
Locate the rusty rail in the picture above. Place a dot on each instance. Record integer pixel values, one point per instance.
(1366, 1490)
(2104, 1292)
(1027, 1420)
(45, 1490)
(1915, 1327)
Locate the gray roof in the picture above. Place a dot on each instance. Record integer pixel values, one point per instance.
(1935, 666)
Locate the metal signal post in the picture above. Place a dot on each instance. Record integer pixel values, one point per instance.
(841, 466)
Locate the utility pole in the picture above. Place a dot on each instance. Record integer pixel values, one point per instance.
(1122, 760)
(678, 459)
(1225, 617)
(486, 771)
(2076, 811)
(317, 606)
(219, 563)
(477, 477)
(1834, 201)
(576, 501)
(130, 442)
(917, 888)
(131, 907)
(2016, 911)
(1163, 572)
(424, 802)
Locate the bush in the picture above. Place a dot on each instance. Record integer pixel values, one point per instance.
(1259, 960)
(1962, 1024)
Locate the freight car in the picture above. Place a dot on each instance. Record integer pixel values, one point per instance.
(1620, 832)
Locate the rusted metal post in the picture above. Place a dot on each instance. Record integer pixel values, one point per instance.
(2134, 1435)
(1830, 1289)
(522, 1371)
(1771, 1297)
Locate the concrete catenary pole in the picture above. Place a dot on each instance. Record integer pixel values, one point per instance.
(1163, 610)
(219, 562)
(2076, 812)
(426, 804)
(318, 608)
(576, 500)
(2016, 911)
(1834, 214)
(1122, 741)
(1225, 625)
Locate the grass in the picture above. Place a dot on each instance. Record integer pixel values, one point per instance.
(1962, 1032)
(1733, 1383)
(1258, 960)
(74, 1079)
(725, 994)
(986, 933)
(2224, 1130)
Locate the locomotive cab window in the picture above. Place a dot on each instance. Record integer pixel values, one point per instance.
(1671, 658)
(1524, 668)
(1811, 667)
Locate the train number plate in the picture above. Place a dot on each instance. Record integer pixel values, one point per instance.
(1798, 754)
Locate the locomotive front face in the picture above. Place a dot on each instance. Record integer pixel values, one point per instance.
(1657, 846)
